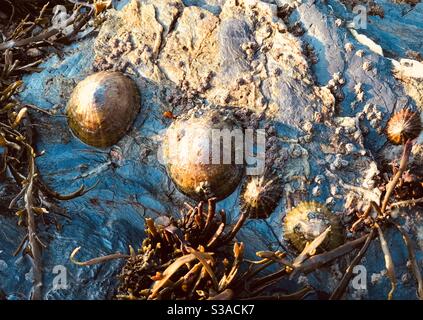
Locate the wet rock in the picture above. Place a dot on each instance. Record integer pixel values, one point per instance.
(296, 71)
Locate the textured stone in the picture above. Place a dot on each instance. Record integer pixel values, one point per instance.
(286, 68)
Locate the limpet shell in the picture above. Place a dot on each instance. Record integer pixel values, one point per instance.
(187, 154)
(403, 125)
(102, 108)
(307, 221)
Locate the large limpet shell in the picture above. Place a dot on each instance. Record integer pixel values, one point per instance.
(102, 108)
(188, 157)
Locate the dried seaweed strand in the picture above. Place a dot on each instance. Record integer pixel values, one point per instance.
(403, 166)
(210, 215)
(241, 220)
(405, 203)
(97, 260)
(319, 260)
(32, 229)
(226, 294)
(201, 257)
(170, 270)
(78, 193)
(414, 266)
(390, 270)
(311, 247)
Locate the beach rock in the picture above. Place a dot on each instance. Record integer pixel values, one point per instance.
(295, 65)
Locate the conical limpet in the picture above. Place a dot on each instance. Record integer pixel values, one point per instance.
(307, 221)
(102, 107)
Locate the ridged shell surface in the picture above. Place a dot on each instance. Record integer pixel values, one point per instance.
(307, 221)
(187, 152)
(102, 108)
(403, 125)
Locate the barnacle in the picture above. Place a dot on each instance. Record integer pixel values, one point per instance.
(195, 166)
(367, 66)
(307, 221)
(403, 125)
(349, 47)
(102, 107)
(260, 196)
(360, 53)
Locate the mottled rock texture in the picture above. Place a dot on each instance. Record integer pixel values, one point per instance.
(324, 95)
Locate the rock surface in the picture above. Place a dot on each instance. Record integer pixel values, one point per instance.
(324, 95)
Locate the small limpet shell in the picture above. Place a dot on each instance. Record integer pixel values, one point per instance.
(307, 221)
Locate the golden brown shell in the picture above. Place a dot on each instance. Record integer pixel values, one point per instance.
(307, 221)
(102, 108)
(188, 157)
(260, 196)
(403, 125)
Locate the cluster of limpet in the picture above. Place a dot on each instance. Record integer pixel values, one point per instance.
(198, 169)
(102, 108)
(307, 221)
